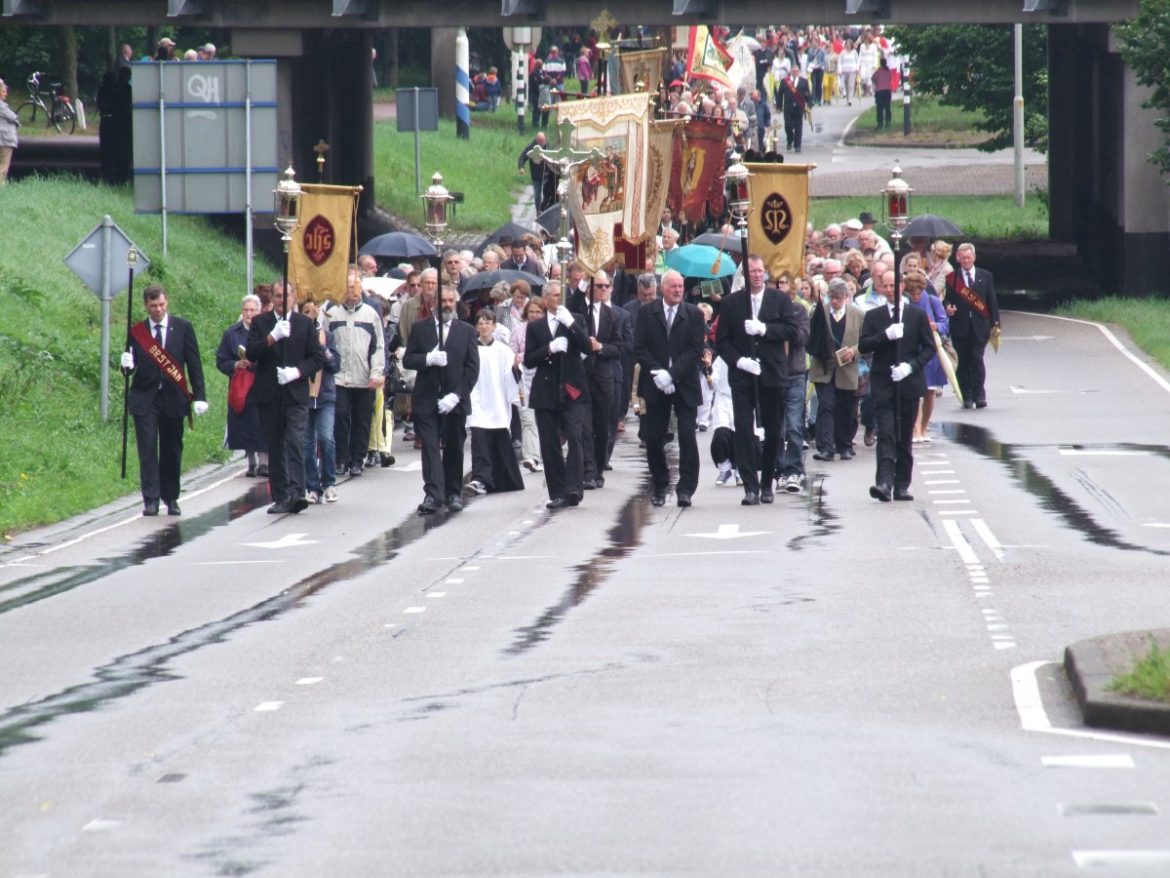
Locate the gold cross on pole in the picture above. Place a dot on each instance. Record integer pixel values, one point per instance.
(321, 148)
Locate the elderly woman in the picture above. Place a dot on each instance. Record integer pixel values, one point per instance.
(8, 139)
(938, 266)
(244, 432)
(914, 283)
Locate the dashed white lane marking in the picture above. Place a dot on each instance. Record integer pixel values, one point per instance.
(268, 706)
(949, 502)
(958, 511)
(99, 824)
(1097, 760)
(436, 594)
(1156, 524)
(470, 568)
(942, 491)
(415, 610)
(1034, 718)
(1096, 809)
(454, 580)
(308, 681)
(937, 472)
(941, 481)
(238, 563)
(1106, 858)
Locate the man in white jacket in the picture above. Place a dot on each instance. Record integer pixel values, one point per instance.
(357, 330)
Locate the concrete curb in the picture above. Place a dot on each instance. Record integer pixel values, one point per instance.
(1092, 664)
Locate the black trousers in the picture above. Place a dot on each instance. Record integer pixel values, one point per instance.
(757, 465)
(835, 426)
(159, 439)
(657, 426)
(285, 427)
(971, 372)
(601, 409)
(793, 129)
(351, 428)
(895, 455)
(563, 473)
(442, 468)
(882, 100)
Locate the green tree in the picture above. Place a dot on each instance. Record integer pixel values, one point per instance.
(972, 66)
(1143, 46)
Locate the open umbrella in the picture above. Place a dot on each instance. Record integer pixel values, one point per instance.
(699, 260)
(550, 219)
(930, 225)
(386, 287)
(485, 280)
(398, 245)
(730, 243)
(947, 366)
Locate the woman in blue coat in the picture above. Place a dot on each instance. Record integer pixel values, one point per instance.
(244, 432)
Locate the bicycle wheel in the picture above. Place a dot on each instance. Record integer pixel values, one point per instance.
(64, 117)
(27, 112)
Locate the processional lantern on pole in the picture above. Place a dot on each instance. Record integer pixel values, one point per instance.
(737, 191)
(286, 211)
(895, 216)
(436, 198)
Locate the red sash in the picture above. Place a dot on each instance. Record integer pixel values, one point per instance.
(972, 298)
(166, 365)
(797, 96)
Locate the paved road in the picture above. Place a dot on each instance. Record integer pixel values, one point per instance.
(828, 686)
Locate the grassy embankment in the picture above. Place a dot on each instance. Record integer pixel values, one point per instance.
(931, 125)
(57, 457)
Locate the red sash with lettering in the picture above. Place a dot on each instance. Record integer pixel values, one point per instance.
(971, 297)
(796, 95)
(166, 365)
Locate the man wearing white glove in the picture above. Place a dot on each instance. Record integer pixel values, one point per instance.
(898, 335)
(167, 384)
(669, 337)
(286, 348)
(559, 396)
(755, 326)
(448, 367)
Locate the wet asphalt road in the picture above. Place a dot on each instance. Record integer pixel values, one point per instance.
(825, 687)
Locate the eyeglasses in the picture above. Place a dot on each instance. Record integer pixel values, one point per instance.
(603, 286)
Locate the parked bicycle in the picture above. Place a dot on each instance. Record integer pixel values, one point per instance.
(57, 112)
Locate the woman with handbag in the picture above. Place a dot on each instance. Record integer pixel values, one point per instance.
(916, 285)
(244, 432)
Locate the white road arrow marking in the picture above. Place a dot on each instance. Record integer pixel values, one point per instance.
(730, 532)
(287, 541)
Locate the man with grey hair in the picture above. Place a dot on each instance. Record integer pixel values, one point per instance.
(356, 328)
(974, 314)
(368, 265)
(833, 368)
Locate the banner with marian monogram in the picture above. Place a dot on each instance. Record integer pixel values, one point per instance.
(779, 217)
(323, 241)
(612, 188)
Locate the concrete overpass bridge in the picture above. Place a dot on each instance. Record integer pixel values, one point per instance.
(1104, 196)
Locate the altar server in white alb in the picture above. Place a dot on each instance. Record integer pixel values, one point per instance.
(493, 462)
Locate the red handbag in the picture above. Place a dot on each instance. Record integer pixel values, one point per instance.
(238, 387)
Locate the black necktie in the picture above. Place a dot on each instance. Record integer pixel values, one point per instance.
(158, 334)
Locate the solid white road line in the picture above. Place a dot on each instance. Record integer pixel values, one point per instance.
(966, 553)
(1145, 367)
(988, 537)
(1102, 760)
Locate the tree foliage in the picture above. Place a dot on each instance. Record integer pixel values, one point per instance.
(972, 66)
(1143, 46)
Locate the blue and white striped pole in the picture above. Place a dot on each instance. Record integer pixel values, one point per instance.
(462, 85)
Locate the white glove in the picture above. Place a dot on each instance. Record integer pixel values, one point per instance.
(661, 379)
(894, 331)
(558, 345)
(282, 329)
(448, 402)
(669, 389)
(902, 370)
(200, 407)
(754, 327)
(564, 317)
(436, 357)
(749, 365)
(285, 374)
(128, 360)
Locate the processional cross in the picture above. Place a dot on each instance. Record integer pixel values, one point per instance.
(564, 161)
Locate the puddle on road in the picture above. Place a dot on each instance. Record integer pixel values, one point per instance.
(823, 522)
(1051, 498)
(129, 673)
(158, 544)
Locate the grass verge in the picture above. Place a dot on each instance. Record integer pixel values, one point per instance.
(1146, 320)
(932, 124)
(979, 216)
(57, 457)
(1150, 677)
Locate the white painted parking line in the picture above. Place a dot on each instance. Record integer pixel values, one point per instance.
(415, 610)
(308, 681)
(966, 553)
(268, 706)
(1106, 858)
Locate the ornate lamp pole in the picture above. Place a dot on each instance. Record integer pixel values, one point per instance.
(737, 191)
(286, 208)
(436, 198)
(895, 216)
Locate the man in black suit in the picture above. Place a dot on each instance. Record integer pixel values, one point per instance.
(668, 340)
(602, 369)
(900, 348)
(442, 400)
(285, 346)
(792, 96)
(559, 396)
(160, 349)
(755, 325)
(974, 316)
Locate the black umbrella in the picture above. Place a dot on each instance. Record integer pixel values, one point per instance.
(931, 226)
(550, 220)
(398, 245)
(730, 243)
(485, 280)
(506, 234)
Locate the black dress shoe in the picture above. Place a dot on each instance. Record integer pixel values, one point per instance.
(847, 454)
(967, 404)
(455, 503)
(355, 470)
(372, 459)
(980, 403)
(574, 499)
(251, 473)
(870, 437)
(608, 466)
(556, 503)
(262, 471)
(300, 504)
(589, 484)
(173, 507)
(822, 455)
(428, 507)
(684, 499)
(750, 498)
(386, 460)
(881, 492)
(658, 500)
(766, 495)
(150, 507)
(903, 494)
(599, 481)
(281, 507)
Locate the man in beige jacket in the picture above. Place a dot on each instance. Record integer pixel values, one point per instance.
(836, 329)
